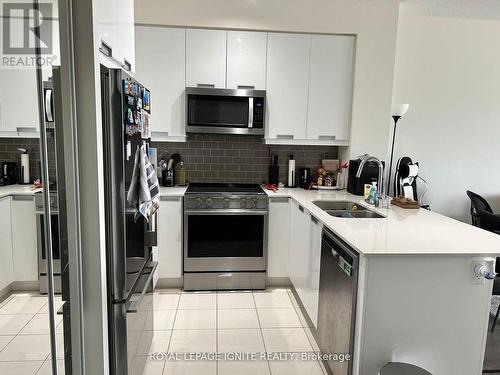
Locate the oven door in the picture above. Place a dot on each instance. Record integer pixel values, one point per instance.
(225, 240)
(42, 252)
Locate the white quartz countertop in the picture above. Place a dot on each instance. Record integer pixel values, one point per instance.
(176, 191)
(401, 232)
(5, 191)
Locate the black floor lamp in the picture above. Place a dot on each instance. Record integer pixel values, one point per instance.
(397, 111)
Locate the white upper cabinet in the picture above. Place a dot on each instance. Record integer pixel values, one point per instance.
(116, 31)
(108, 25)
(287, 84)
(330, 87)
(126, 41)
(160, 66)
(18, 101)
(246, 59)
(206, 58)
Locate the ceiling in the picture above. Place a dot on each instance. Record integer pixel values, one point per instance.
(471, 9)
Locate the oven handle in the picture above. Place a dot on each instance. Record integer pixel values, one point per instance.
(226, 212)
(134, 305)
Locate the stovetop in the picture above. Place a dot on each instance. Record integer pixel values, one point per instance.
(222, 188)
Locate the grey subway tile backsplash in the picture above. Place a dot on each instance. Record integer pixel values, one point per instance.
(207, 157)
(236, 158)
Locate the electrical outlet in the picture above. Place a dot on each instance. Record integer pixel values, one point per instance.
(477, 278)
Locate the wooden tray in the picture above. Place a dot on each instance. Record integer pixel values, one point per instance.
(403, 202)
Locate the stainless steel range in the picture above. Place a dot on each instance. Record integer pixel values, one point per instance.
(225, 236)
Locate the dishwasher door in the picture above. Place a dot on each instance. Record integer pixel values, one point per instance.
(337, 301)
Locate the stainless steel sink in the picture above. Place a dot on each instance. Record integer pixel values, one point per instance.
(363, 214)
(339, 206)
(346, 209)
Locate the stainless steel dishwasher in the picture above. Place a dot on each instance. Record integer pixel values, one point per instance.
(337, 301)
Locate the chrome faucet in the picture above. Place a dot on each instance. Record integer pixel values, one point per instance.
(380, 180)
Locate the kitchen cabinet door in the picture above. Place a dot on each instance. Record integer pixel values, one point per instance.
(299, 249)
(108, 24)
(6, 270)
(18, 101)
(330, 87)
(160, 66)
(286, 85)
(24, 238)
(311, 302)
(278, 238)
(125, 53)
(206, 58)
(246, 59)
(170, 252)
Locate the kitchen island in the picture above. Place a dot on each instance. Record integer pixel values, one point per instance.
(417, 298)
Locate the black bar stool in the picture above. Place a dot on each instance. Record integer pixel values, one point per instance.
(400, 368)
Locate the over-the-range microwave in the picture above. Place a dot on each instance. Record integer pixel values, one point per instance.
(225, 111)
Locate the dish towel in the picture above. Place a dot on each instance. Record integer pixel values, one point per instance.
(144, 190)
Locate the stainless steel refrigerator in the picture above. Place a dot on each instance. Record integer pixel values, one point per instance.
(130, 268)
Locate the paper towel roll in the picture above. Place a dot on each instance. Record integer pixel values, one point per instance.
(25, 167)
(291, 173)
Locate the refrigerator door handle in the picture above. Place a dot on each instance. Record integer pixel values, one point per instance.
(150, 236)
(133, 306)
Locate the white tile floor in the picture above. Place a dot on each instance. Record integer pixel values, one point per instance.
(260, 321)
(24, 335)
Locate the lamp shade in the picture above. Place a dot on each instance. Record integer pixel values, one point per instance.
(399, 110)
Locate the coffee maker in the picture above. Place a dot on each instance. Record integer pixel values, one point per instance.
(9, 173)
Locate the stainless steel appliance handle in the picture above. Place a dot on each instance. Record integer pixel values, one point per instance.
(250, 112)
(134, 305)
(22, 197)
(49, 106)
(226, 212)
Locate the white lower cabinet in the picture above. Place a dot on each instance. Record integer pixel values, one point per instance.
(169, 247)
(305, 257)
(278, 237)
(24, 238)
(6, 270)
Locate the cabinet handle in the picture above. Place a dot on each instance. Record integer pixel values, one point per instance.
(210, 85)
(279, 200)
(301, 208)
(284, 136)
(106, 49)
(327, 137)
(170, 199)
(22, 198)
(246, 87)
(314, 220)
(127, 65)
(29, 129)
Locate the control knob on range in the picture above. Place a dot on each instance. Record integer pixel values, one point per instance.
(226, 203)
(254, 203)
(209, 202)
(243, 203)
(198, 202)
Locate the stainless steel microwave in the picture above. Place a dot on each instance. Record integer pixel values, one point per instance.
(225, 111)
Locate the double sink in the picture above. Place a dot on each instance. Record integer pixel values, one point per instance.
(346, 209)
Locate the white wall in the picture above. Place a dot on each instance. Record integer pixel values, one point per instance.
(448, 70)
(374, 22)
